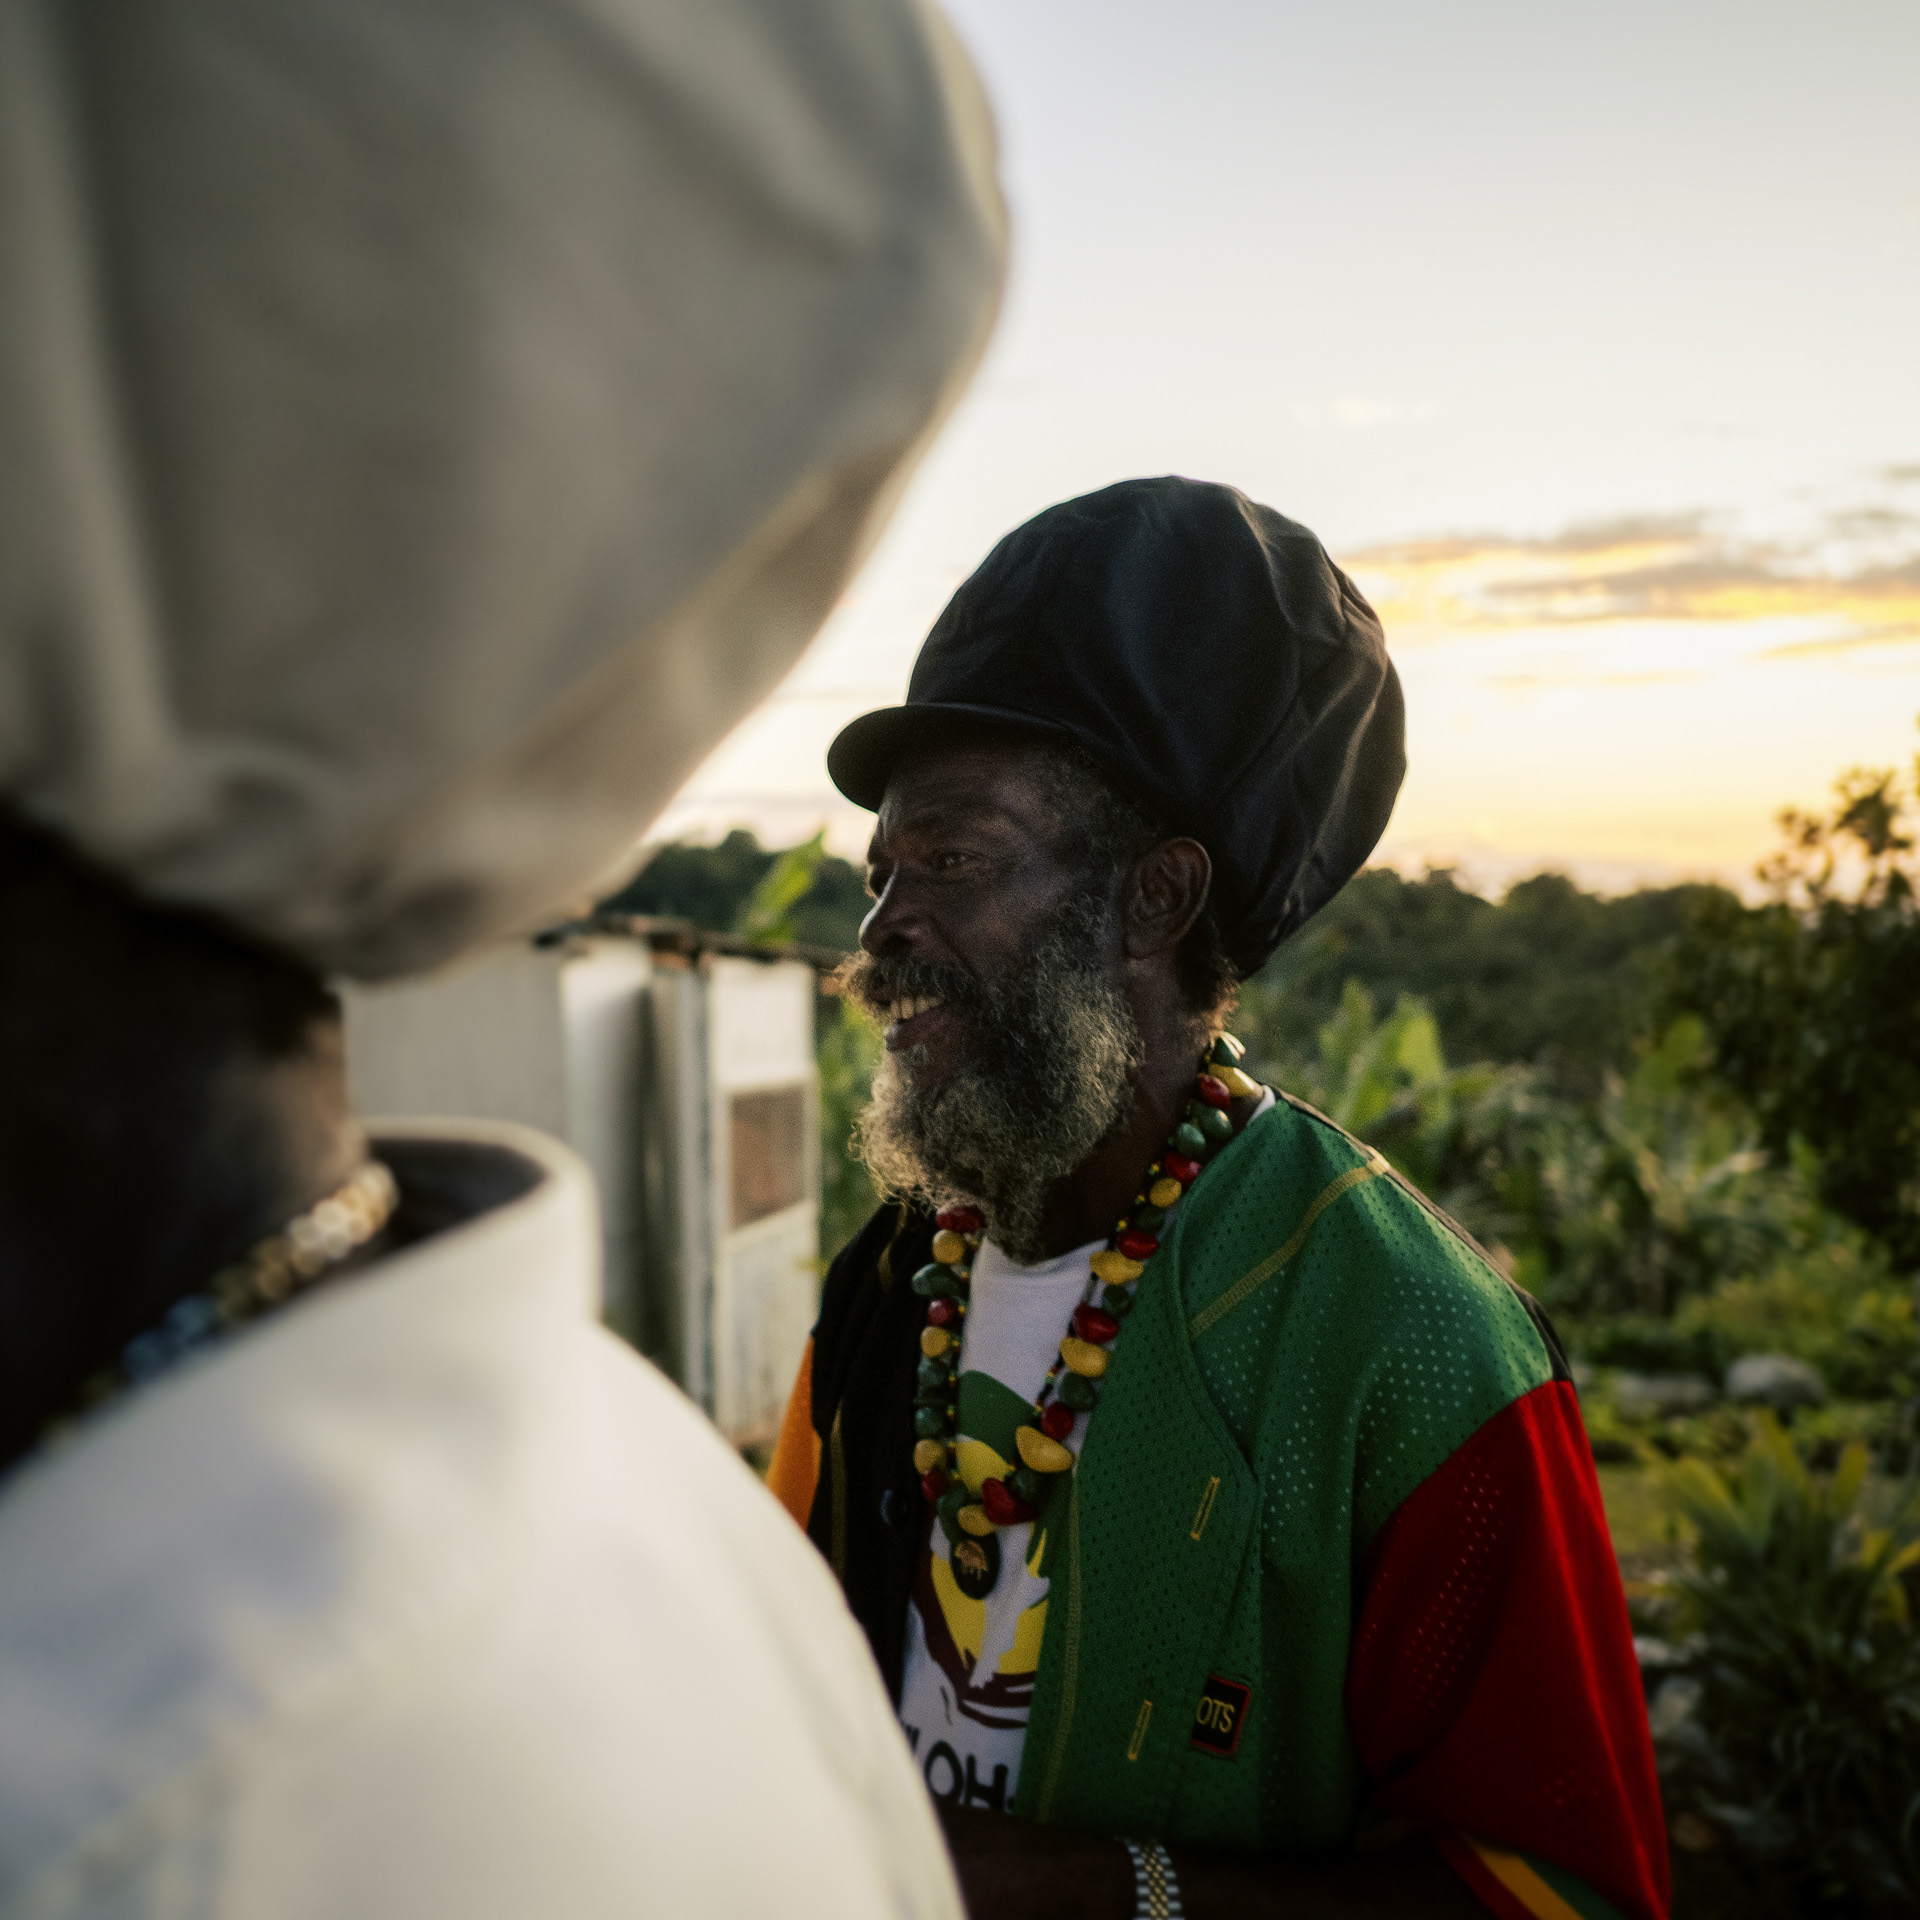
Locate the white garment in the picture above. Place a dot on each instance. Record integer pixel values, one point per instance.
(966, 1715)
(426, 426)
(426, 1600)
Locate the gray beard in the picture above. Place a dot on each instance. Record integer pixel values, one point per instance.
(1044, 1079)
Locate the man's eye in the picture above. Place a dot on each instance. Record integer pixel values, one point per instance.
(949, 858)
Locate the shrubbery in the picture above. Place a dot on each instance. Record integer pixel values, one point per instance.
(1786, 1673)
(847, 1047)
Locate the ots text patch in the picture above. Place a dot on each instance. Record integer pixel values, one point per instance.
(1221, 1714)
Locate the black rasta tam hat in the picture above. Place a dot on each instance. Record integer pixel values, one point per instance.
(1207, 656)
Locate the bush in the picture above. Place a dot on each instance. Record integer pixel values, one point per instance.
(1808, 998)
(1788, 1721)
(847, 1049)
(1649, 1344)
(1823, 1435)
(1625, 1206)
(1820, 1435)
(1615, 1440)
(1859, 1336)
(1832, 1303)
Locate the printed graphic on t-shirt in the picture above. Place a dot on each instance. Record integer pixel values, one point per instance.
(971, 1657)
(989, 1648)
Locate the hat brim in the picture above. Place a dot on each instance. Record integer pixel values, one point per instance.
(865, 751)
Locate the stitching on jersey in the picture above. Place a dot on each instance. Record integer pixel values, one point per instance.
(1242, 1289)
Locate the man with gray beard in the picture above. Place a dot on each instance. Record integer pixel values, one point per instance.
(1044, 1076)
(1209, 1500)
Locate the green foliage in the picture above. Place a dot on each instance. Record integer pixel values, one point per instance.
(707, 885)
(1790, 1720)
(1812, 1001)
(1829, 1300)
(766, 917)
(1820, 1435)
(804, 896)
(714, 887)
(847, 1047)
(1656, 1190)
(1551, 976)
(1388, 1082)
(1632, 1201)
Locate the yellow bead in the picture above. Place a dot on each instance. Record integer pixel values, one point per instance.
(948, 1246)
(1042, 1454)
(975, 1519)
(1113, 1266)
(1083, 1357)
(1165, 1191)
(1241, 1086)
(934, 1341)
(928, 1454)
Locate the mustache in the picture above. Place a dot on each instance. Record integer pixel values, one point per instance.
(876, 981)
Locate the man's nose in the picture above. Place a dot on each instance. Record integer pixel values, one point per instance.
(893, 924)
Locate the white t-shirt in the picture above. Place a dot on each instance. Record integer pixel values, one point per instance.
(968, 1675)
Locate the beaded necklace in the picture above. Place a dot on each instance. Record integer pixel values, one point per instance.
(1072, 1386)
(267, 1275)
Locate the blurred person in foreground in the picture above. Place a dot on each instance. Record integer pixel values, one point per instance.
(424, 428)
(1196, 1481)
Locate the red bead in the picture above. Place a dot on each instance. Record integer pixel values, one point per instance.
(1056, 1421)
(1214, 1092)
(943, 1313)
(933, 1483)
(1184, 1170)
(1002, 1508)
(1095, 1324)
(959, 1219)
(1137, 1245)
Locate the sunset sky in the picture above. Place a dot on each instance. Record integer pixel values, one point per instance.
(1588, 339)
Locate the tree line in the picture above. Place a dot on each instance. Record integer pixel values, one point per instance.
(1637, 1101)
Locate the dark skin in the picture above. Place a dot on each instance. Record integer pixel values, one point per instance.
(967, 863)
(169, 1095)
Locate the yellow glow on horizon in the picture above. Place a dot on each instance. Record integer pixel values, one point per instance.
(1627, 705)
(1436, 590)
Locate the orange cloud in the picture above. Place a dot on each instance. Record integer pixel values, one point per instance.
(1676, 569)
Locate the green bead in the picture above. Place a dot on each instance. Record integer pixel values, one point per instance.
(1118, 1301)
(1024, 1484)
(1226, 1052)
(955, 1497)
(1188, 1139)
(936, 1282)
(935, 1381)
(1075, 1392)
(930, 1423)
(1150, 1218)
(1214, 1122)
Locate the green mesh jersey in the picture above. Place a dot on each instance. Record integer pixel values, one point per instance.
(1309, 1344)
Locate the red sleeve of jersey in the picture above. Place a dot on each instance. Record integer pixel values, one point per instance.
(1493, 1688)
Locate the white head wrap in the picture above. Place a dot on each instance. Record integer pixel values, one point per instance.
(427, 425)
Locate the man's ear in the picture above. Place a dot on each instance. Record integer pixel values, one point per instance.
(1166, 893)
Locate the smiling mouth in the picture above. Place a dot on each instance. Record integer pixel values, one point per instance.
(912, 1008)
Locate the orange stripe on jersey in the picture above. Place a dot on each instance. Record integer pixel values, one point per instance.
(795, 1469)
